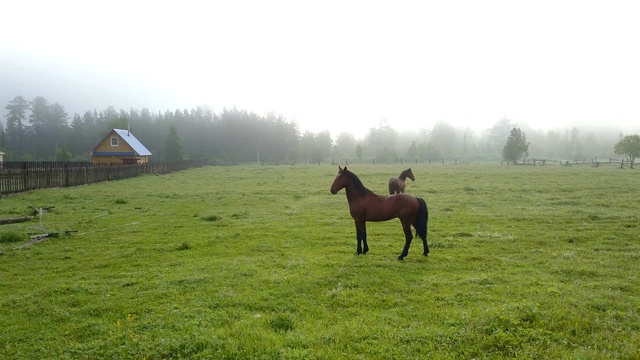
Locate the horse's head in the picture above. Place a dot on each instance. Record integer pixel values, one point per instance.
(409, 174)
(341, 180)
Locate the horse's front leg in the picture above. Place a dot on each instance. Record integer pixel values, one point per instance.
(361, 235)
(408, 237)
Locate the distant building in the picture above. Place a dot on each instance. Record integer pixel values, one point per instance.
(120, 147)
(1, 157)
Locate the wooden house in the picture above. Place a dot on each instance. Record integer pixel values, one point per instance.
(120, 147)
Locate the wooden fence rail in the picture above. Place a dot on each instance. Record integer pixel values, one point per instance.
(16, 177)
(593, 162)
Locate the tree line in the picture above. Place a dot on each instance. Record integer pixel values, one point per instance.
(38, 130)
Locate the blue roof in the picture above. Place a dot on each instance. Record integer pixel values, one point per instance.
(137, 146)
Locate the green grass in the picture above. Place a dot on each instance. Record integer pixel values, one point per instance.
(258, 262)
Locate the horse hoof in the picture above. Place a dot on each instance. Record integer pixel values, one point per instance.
(425, 254)
(400, 257)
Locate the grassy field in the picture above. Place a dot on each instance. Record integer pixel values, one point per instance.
(258, 263)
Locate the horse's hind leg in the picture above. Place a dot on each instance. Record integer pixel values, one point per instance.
(426, 233)
(408, 237)
(426, 246)
(424, 240)
(365, 247)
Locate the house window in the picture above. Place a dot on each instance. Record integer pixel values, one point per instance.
(114, 141)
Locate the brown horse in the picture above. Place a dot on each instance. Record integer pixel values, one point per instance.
(397, 185)
(364, 205)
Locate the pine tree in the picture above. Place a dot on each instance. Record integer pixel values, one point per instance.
(516, 146)
(16, 118)
(173, 150)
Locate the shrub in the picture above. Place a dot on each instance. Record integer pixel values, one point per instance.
(184, 246)
(211, 218)
(281, 322)
(11, 236)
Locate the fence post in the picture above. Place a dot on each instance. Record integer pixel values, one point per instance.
(25, 177)
(66, 175)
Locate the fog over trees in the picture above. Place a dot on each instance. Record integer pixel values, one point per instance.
(38, 130)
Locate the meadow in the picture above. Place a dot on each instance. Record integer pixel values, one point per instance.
(257, 262)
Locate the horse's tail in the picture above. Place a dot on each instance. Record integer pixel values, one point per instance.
(422, 219)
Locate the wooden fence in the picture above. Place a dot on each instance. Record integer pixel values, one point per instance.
(585, 161)
(455, 161)
(16, 177)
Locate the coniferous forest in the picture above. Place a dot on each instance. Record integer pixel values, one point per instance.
(38, 130)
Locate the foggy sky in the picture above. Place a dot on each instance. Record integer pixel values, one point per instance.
(337, 66)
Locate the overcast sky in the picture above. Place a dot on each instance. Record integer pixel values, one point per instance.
(333, 65)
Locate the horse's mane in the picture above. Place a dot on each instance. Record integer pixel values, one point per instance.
(360, 188)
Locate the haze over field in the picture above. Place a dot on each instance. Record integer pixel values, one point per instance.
(333, 65)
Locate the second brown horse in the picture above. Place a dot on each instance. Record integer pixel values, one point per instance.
(397, 185)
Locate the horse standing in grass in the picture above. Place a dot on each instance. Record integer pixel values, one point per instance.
(365, 205)
(397, 185)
